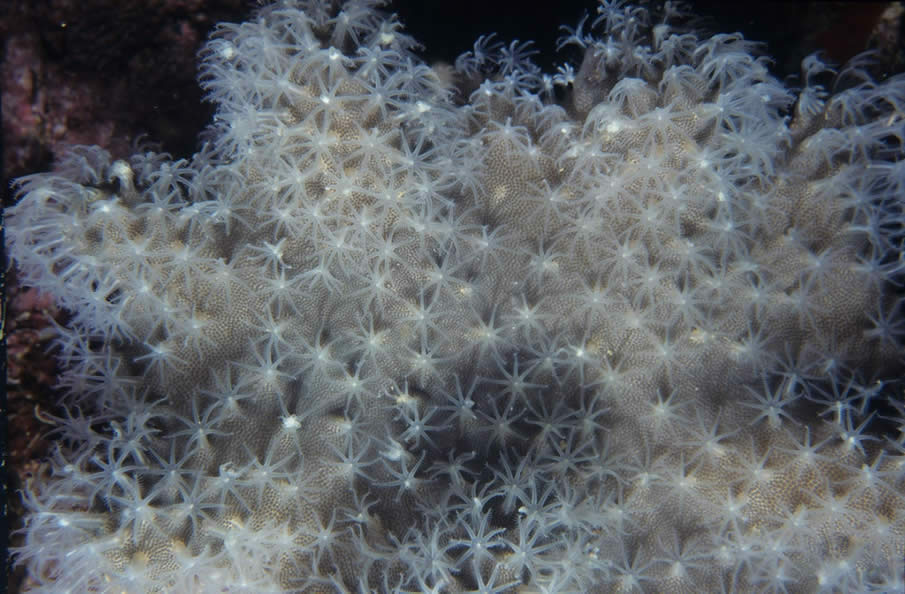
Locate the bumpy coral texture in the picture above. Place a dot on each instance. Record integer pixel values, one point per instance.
(629, 327)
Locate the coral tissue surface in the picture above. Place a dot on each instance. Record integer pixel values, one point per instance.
(635, 325)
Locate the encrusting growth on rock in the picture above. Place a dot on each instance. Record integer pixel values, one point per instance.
(632, 326)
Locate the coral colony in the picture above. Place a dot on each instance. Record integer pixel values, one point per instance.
(632, 326)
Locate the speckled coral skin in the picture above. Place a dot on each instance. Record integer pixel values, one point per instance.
(377, 337)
